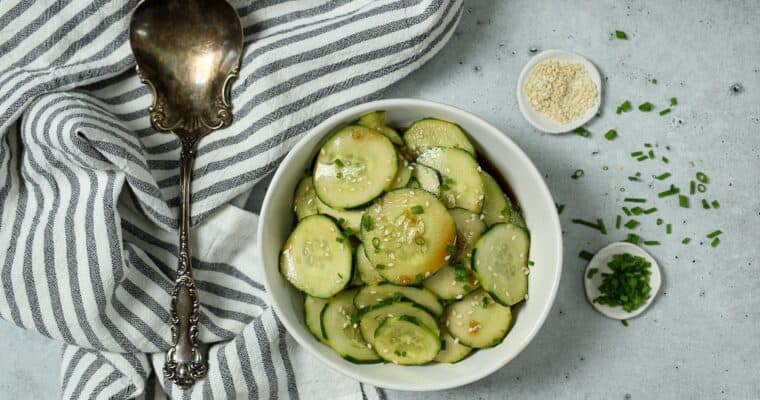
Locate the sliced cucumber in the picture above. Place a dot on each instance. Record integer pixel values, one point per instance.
(427, 178)
(496, 207)
(407, 341)
(500, 261)
(364, 268)
(430, 132)
(316, 258)
(376, 120)
(469, 228)
(478, 321)
(406, 233)
(369, 296)
(347, 219)
(403, 174)
(312, 313)
(354, 166)
(451, 350)
(341, 329)
(462, 186)
(372, 318)
(451, 282)
(305, 200)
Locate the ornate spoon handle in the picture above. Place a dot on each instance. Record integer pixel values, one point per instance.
(184, 361)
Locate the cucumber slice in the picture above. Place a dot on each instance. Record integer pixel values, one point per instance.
(347, 219)
(305, 200)
(451, 350)
(462, 186)
(430, 132)
(500, 261)
(403, 174)
(376, 120)
(364, 268)
(354, 166)
(469, 228)
(478, 321)
(341, 329)
(406, 233)
(427, 178)
(373, 317)
(496, 207)
(407, 341)
(316, 258)
(312, 315)
(451, 282)
(372, 295)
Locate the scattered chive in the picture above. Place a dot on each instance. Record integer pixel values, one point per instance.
(447, 180)
(531, 263)
(560, 207)
(665, 159)
(673, 190)
(617, 222)
(702, 177)
(686, 240)
(621, 35)
(632, 224)
(692, 187)
(659, 221)
(665, 111)
(662, 177)
(418, 277)
(701, 188)
(445, 187)
(705, 204)
(651, 243)
(591, 272)
(601, 226)
(637, 211)
(339, 239)
(417, 209)
(636, 154)
(715, 242)
(627, 211)
(650, 210)
(654, 81)
(367, 222)
(611, 134)
(673, 101)
(598, 226)
(683, 201)
(642, 158)
(651, 154)
(339, 175)
(634, 200)
(451, 249)
(419, 240)
(668, 229)
(585, 255)
(624, 107)
(714, 234)
(624, 322)
(633, 238)
(715, 204)
(380, 266)
(648, 145)
(634, 179)
(485, 302)
(339, 163)
(646, 107)
(581, 131)
(577, 174)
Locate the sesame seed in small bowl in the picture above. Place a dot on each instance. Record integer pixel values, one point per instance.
(559, 91)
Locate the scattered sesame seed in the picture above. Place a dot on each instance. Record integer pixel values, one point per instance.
(459, 297)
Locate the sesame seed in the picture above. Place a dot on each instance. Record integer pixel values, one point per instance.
(482, 217)
(526, 297)
(459, 297)
(456, 340)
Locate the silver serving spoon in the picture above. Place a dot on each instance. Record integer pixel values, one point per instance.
(187, 52)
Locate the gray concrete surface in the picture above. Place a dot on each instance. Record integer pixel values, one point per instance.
(701, 338)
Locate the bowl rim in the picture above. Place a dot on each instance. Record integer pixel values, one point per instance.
(323, 129)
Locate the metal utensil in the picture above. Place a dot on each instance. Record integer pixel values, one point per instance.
(187, 52)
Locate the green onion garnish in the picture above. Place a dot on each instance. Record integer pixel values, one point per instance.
(485, 302)
(651, 243)
(636, 154)
(692, 187)
(650, 210)
(668, 229)
(577, 174)
(624, 322)
(654, 81)
(451, 249)
(659, 221)
(715, 204)
(560, 207)
(665, 159)
(531, 263)
(637, 211)
(673, 190)
(705, 204)
(617, 222)
(714, 234)
(627, 211)
(633, 238)
(662, 177)
(339, 163)
(624, 107)
(585, 255)
(648, 145)
(339, 175)
(611, 134)
(591, 272)
(701, 188)
(665, 111)
(646, 107)
(367, 222)
(621, 35)
(419, 240)
(651, 154)
(380, 266)
(461, 273)
(627, 284)
(634, 200)
(642, 158)
(683, 201)
(417, 209)
(581, 131)
(673, 101)
(598, 226)
(631, 224)
(686, 240)
(339, 239)
(715, 242)
(702, 177)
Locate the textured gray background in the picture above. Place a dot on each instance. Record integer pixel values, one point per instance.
(701, 338)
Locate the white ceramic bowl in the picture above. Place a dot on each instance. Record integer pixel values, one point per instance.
(527, 184)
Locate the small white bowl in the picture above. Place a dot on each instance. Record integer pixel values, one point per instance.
(528, 186)
(540, 121)
(600, 261)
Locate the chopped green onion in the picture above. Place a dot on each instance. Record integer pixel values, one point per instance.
(701, 188)
(650, 210)
(662, 177)
(611, 134)
(451, 249)
(665, 111)
(692, 187)
(705, 204)
(634, 179)
(632, 224)
(581, 131)
(668, 229)
(624, 107)
(702, 177)
(419, 240)
(634, 200)
(339, 239)
(654, 81)
(636, 154)
(673, 190)
(659, 221)
(417, 209)
(633, 238)
(560, 207)
(445, 187)
(624, 322)
(686, 240)
(448, 181)
(651, 154)
(601, 225)
(461, 273)
(598, 226)
(591, 272)
(585, 255)
(673, 101)
(637, 211)
(651, 243)
(642, 158)
(531, 263)
(621, 35)
(577, 174)
(339, 175)
(715, 242)
(683, 201)
(627, 211)
(367, 222)
(339, 163)
(715, 204)
(646, 107)
(714, 234)
(665, 159)
(485, 302)
(380, 266)
(617, 222)
(648, 145)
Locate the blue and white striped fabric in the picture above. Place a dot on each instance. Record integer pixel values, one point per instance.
(88, 191)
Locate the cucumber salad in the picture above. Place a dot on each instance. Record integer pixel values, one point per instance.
(406, 249)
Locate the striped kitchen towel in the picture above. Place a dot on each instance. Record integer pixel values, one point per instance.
(89, 197)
